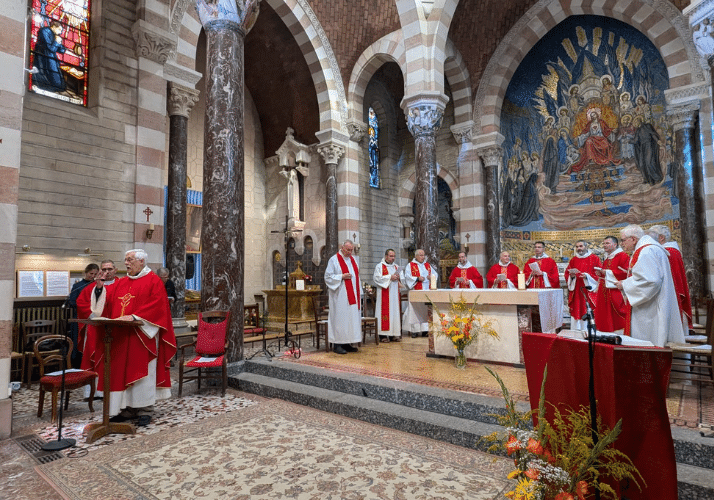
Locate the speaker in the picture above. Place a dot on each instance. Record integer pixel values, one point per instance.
(190, 266)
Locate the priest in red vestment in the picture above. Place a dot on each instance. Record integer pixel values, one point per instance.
(541, 271)
(141, 355)
(465, 275)
(663, 236)
(610, 305)
(503, 274)
(579, 274)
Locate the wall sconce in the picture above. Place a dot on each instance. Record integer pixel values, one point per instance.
(27, 250)
(356, 245)
(466, 246)
(150, 231)
(88, 253)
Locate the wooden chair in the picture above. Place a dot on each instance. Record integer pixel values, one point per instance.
(210, 346)
(31, 331)
(321, 305)
(694, 361)
(74, 379)
(16, 356)
(369, 323)
(253, 326)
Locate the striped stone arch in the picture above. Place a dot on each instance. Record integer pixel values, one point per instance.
(300, 19)
(458, 77)
(389, 48)
(407, 191)
(659, 20)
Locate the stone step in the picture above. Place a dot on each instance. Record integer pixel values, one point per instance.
(455, 417)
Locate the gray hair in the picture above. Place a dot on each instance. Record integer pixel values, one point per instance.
(139, 254)
(162, 271)
(632, 230)
(660, 230)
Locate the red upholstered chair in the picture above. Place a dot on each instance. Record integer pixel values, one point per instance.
(210, 346)
(74, 379)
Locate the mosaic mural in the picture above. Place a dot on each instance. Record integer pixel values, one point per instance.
(587, 144)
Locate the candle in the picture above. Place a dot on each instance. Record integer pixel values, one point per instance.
(521, 281)
(432, 281)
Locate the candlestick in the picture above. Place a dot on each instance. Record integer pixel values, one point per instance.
(521, 281)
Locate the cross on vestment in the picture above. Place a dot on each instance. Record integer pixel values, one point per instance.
(125, 300)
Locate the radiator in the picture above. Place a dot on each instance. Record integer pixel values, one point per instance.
(52, 313)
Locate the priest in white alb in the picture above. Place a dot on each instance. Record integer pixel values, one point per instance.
(649, 289)
(417, 276)
(386, 277)
(344, 320)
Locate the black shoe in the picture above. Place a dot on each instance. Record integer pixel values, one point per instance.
(415, 335)
(119, 418)
(143, 420)
(338, 349)
(424, 334)
(349, 348)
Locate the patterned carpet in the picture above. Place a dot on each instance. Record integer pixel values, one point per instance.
(284, 451)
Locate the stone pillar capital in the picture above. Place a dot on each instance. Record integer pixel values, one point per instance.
(357, 129)
(181, 99)
(153, 43)
(490, 155)
(683, 117)
(463, 132)
(331, 152)
(424, 112)
(244, 13)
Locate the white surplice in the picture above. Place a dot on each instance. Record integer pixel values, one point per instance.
(344, 321)
(386, 285)
(650, 291)
(416, 317)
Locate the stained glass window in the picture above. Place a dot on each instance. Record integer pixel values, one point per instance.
(373, 131)
(59, 49)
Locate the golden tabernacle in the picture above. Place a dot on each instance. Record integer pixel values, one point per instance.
(301, 313)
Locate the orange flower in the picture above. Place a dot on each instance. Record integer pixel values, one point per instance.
(564, 496)
(548, 457)
(581, 489)
(534, 447)
(512, 445)
(532, 474)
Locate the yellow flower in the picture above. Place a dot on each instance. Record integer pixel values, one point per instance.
(514, 474)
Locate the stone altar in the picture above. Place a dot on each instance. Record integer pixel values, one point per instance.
(301, 312)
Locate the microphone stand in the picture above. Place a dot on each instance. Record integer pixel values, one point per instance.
(590, 319)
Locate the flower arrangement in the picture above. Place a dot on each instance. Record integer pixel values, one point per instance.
(559, 461)
(463, 326)
(367, 288)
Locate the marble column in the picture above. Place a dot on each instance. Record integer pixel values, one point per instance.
(689, 189)
(223, 228)
(424, 117)
(331, 154)
(180, 101)
(491, 160)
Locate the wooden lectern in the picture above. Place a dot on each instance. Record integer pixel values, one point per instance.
(96, 431)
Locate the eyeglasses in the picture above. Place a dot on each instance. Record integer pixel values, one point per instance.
(107, 269)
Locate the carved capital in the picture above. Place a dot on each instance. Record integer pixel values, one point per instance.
(463, 132)
(491, 156)
(683, 117)
(424, 119)
(153, 43)
(181, 99)
(331, 152)
(242, 12)
(357, 129)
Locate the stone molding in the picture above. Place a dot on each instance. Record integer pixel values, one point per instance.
(463, 132)
(491, 156)
(357, 129)
(181, 99)
(153, 43)
(244, 13)
(331, 152)
(424, 112)
(683, 117)
(181, 75)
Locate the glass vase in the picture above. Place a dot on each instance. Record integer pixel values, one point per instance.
(460, 359)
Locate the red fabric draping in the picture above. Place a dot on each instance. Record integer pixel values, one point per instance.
(630, 384)
(351, 299)
(511, 271)
(548, 266)
(414, 269)
(470, 273)
(385, 303)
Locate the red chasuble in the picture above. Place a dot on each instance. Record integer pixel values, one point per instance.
(414, 269)
(351, 298)
(385, 303)
(679, 276)
(470, 273)
(576, 299)
(132, 350)
(548, 266)
(511, 271)
(610, 305)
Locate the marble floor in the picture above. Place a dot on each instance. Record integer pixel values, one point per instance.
(24, 475)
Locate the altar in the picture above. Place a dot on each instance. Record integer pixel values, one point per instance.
(513, 312)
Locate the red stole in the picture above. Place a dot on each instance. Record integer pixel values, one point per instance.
(504, 271)
(351, 299)
(415, 272)
(385, 302)
(628, 317)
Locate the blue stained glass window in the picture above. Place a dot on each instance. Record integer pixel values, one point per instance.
(373, 131)
(59, 49)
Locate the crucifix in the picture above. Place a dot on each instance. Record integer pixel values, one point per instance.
(148, 212)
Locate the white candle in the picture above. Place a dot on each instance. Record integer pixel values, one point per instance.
(521, 281)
